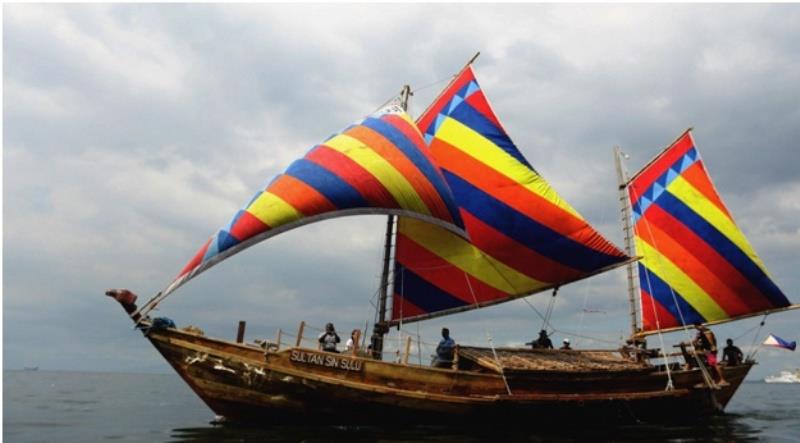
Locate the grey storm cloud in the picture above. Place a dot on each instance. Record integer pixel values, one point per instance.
(132, 132)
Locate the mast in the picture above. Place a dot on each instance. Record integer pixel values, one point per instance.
(381, 327)
(624, 202)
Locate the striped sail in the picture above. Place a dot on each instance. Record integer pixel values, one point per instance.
(697, 266)
(524, 237)
(378, 165)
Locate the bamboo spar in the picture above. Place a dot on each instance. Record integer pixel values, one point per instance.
(627, 229)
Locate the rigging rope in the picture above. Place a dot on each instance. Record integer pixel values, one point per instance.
(753, 347)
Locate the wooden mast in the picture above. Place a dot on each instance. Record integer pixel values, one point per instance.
(381, 327)
(622, 176)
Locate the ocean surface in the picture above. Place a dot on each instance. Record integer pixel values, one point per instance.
(54, 406)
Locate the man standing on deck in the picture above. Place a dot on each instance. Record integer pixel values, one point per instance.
(445, 351)
(565, 346)
(705, 343)
(329, 338)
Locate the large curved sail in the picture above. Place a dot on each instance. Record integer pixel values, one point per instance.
(376, 166)
(697, 266)
(524, 237)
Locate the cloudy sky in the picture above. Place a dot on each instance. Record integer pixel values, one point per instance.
(132, 132)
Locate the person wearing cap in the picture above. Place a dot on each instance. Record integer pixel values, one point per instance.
(329, 338)
(705, 344)
(565, 345)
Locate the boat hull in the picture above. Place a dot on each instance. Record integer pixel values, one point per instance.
(243, 383)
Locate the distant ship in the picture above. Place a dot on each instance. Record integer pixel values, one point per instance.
(30, 368)
(784, 377)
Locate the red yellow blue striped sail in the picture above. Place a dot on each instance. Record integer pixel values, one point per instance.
(378, 165)
(697, 266)
(524, 237)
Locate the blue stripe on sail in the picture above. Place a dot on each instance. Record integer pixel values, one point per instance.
(420, 292)
(726, 248)
(469, 116)
(662, 293)
(412, 152)
(336, 190)
(527, 231)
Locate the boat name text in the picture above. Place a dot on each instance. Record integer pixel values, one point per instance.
(328, 361)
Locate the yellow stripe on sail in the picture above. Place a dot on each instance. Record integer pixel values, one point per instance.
(484, 150)
(466, 257)
(681, 283)
(273, 210)
(697, 202)
(394, 182)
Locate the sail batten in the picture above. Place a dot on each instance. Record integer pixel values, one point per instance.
(523, 237)
(697, 266)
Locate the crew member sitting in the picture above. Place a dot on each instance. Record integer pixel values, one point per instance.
(565, 346)
(732, 355)
(329, 338)
(543, 342)
(444, 351)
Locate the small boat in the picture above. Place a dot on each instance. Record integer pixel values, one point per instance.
(30, 368)
(472, 224)
(784, 377)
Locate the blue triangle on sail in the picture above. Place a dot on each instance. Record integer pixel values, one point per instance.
(658, 189)
(671, 176)
(686, 163)
(454, 103)
(439, 119)
(692, 154)
(225, 241)
(472, 88)
(645, 203)
(428, 139)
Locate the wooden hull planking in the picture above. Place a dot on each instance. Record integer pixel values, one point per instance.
(244, 384)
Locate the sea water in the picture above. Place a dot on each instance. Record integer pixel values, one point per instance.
(48, 406)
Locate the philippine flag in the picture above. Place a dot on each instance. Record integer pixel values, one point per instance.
(778, 342)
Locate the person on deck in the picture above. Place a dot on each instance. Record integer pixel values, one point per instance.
(543, 342)
(732, 355)
(705, 343)
(565, 345)
(329, 339)
(352, 342)
(445, 351)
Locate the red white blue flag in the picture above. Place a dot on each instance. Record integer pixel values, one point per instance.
(774, 340)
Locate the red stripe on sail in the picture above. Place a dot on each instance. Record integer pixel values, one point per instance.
(651, 309)
(443, 274)
(515, 255)
(300, 196)
(713, 261)
(681, 255)
(196, 260)
(698, 177)
(426, 119)
(402, 308)
(478, 101)
(389, 152)
(246, 226)
(516, 196)
(651, 173)
(353, 174)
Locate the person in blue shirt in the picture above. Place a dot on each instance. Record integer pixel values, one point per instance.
(444, 351)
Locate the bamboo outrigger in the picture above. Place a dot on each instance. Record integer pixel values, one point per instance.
(477, 226)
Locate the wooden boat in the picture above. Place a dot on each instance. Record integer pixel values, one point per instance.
(477, 226)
